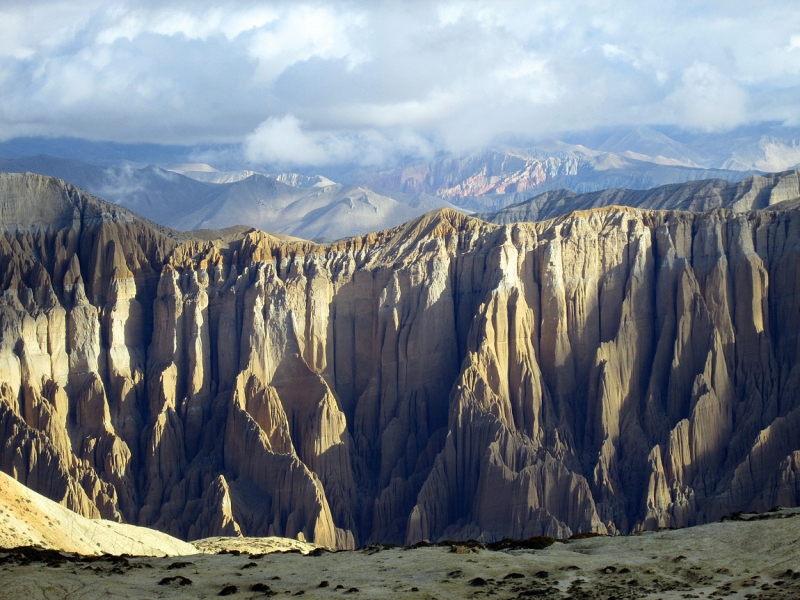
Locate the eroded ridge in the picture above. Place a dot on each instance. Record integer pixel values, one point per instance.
(608, 371)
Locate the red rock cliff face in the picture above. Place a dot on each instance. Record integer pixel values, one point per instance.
(609, 371)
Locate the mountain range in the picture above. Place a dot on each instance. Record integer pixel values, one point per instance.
(764, 147)
(204, 199)
(608, 371)
(188, 197)
(334, 202)
(625, 157)
(495, 179)
(752, 193)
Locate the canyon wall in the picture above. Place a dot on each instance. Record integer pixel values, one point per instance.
(611, 370)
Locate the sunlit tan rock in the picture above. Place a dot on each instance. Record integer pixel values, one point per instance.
(610, 370)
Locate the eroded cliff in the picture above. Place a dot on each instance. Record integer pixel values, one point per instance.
(607, 371)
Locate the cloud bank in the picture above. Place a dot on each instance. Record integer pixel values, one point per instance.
(319, 83)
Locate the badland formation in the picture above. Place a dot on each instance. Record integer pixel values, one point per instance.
(611, 370)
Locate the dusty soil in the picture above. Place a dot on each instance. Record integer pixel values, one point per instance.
(743, 558)
(30, 519)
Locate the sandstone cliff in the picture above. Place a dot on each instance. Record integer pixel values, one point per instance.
(607, 371)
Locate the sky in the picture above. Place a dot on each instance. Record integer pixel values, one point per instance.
(303, 83)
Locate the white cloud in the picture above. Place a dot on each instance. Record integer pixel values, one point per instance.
(708, 100)
(193, 23)
(418, 112)
(450, 13)
(29, 29)
(356, 80)
(282, 141)
(302, 34)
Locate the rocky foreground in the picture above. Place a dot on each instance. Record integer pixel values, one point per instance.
(757, 556)
(48, 551)
(610, 371)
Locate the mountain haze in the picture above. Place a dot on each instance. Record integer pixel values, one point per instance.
(322, 210)
(196, 195)
(766, 147)
(491, 180)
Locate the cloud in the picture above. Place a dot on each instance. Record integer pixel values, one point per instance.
(367, 81)
(31, 30)
(282, 142)
(304, 33)
(192, 24)
(708, 100)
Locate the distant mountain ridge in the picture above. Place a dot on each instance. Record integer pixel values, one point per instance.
(752, 193)
(493, 179)
(314, 207)
(208, 174)
(645, 141)
(638, 157)
(340, 201)
(299, 206)
(766, 147)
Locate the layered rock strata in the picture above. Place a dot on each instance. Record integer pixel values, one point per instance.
(609, 371)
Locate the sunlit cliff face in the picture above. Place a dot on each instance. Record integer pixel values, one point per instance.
(611, 370)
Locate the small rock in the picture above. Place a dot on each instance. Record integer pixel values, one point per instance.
(229, 590)
(456, 573)
(178, 579)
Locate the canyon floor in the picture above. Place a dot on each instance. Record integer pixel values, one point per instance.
(755, 556)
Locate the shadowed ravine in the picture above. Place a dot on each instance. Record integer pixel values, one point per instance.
(608, 371)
